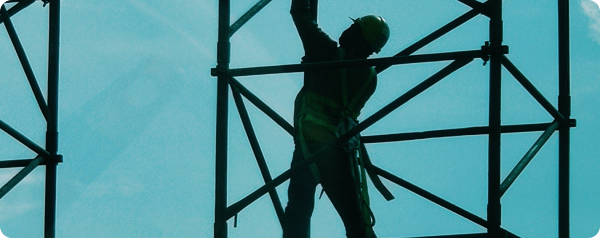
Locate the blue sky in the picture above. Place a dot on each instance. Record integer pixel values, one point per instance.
(137, 116)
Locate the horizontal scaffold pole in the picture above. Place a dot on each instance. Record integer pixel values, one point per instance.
(294, 68)
(240, 205)
(469, 131)
(477, 235)
(16, 163)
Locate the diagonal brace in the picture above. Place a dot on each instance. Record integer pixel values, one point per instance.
(24, 140)
(20, 176)
(260, 158)
(531, 89)
(246, 17)
(262, 106)
(510, 179)
(439, 201)
(24, 61)
(433, 36)
(480, 7)
(431, 197)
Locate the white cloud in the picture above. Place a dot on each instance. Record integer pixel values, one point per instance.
(24, 197)
(118, 186)
(200, 44)
(34, 178)
(592, 10)
(12, 209)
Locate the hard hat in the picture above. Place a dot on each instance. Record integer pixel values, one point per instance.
(375, 30)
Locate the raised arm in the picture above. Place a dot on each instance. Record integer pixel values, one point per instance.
(318, 46)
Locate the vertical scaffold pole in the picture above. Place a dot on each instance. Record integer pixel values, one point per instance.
(564, 107)
(52, 121)
(223, 56)
(494, 214)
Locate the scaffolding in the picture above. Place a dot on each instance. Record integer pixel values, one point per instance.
(492, 51)
(47, 156)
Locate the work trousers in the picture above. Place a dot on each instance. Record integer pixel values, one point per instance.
(338, 184)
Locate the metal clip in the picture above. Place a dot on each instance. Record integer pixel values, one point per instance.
(235, 221)
(486, 50)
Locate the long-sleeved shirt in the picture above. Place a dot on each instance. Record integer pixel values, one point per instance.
(320, 101)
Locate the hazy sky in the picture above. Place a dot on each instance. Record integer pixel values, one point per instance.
(137, 118)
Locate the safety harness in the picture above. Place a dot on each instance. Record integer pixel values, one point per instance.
(312, 111)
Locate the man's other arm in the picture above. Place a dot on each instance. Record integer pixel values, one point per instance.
(318, 46)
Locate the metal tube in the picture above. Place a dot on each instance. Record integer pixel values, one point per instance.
(564, 107)
(481, 235)
(260, 158)
(20, 176)
(247, 16)
(23, 140)
(431, 37)
(14, 38)
(469, 131)
(52, 120)
(368, 165)
(16, 163)
(431, 197)
(480, 7)
(262, 106)
(17, 8)
(494, 215)
(238, 206)
(527, 158)
(406, 97)
(531, 89)
(223, 59)
(292, 68)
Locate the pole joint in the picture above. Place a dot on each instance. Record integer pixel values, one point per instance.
(488, 50)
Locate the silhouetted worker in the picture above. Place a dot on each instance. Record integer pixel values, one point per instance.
(327, 106)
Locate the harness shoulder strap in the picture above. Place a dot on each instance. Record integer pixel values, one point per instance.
(362, 89)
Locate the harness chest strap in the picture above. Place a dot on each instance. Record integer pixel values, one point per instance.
(363, 158)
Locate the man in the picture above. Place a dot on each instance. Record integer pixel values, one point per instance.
(327, 106)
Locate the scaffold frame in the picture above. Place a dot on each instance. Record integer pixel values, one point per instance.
(47, 156)
(493, 51)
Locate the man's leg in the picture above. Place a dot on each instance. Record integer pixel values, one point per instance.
(301, 193)
(342, 190)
